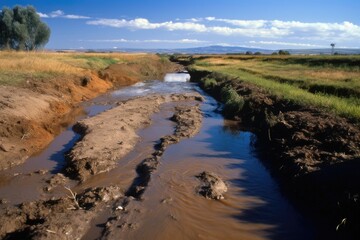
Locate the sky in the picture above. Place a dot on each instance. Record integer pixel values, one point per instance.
(267, 24)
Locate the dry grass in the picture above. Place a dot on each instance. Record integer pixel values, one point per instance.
(17, 67)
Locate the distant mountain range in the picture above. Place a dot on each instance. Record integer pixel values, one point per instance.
(227, 49)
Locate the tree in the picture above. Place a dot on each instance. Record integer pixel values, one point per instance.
(283, 52)
(22, 29)
(332, 48)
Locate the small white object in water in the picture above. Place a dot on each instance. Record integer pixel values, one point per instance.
(119, 208)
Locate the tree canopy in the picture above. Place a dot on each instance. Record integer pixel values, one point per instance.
(22, 29)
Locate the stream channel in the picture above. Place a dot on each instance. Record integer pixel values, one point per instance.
(253, 208)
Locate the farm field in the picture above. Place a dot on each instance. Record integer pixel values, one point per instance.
(331, 83)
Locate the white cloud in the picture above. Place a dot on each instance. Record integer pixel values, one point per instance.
(291, 44)
(57, 13)
(122, 40)
(246, 28)
(70, 16)
(240, 23)
(43, 15)
(142, 23)
(61, 14)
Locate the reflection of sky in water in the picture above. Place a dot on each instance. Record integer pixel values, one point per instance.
(173, 83)
(177, 77)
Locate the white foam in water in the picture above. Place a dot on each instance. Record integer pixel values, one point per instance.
(139, 84)
(177, 77)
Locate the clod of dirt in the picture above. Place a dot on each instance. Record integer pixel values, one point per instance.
(212, 186)
(56, 218)
(57, 180)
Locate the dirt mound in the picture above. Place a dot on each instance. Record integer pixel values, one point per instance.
(212, 186)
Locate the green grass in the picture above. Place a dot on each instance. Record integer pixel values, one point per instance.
(96, 62)
(279, 78)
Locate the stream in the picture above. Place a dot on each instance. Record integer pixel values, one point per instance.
(253, 208)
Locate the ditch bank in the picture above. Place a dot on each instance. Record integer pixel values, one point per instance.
(33, 114)
(314, 155)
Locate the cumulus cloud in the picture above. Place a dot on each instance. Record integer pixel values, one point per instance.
(142, 23)
(43, 15)
(246, 28)
(61, 14)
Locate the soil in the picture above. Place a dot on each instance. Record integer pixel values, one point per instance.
(109, 136)
(68, 217)
(32, 114)
(314, 154)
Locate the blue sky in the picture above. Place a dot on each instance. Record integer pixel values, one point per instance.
(276, 24)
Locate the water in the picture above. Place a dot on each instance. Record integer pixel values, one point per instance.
(253, 208)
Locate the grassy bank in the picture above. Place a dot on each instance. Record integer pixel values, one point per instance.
(327, 82)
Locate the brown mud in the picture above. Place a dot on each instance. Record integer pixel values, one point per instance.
(315, 154)
(32, 114)
(68, 217)
(109, 136)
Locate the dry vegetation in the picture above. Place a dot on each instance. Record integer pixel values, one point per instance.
(17, 67)
(328, 82)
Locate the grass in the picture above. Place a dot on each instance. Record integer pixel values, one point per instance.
(327, 82)
(18, 67)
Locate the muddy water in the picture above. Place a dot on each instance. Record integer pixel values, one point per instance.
(253, 207)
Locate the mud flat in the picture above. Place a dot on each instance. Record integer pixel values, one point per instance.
(111, 135)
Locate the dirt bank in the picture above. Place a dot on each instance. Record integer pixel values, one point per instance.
(32, 114)
(314, 154)
(109, 136)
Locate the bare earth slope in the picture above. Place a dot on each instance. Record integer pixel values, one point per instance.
(33, 113)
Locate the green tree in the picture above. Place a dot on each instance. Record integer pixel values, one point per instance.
(283, 52)
(22, 29)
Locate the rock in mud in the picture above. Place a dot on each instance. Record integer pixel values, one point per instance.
(212, 186)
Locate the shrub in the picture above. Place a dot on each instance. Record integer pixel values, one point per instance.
(233, 102)
(209, 83)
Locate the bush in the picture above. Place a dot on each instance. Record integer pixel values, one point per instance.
(233, 102)
(283, 52)
(209, 83)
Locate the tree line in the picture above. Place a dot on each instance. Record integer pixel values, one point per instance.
(22, 29)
